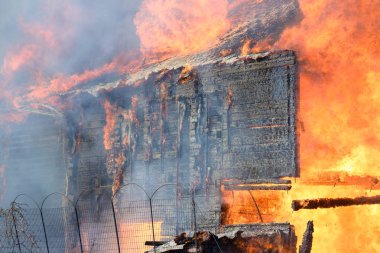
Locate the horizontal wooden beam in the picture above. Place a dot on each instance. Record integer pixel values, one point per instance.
(152, 243)
(258, 181)
(257, 187)
(332, 203)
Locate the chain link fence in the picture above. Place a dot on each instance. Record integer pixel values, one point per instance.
(129, 221)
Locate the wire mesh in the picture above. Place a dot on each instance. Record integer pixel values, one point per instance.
(139, 218)
(134, 225)
(97, 226)
(7, 243)
(30, 230)
(61, 230)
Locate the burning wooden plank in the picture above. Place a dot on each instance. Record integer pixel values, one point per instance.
(258, 187)
(257, 181)
(257, 184)
(332, 203)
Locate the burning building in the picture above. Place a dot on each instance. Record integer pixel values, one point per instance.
(199, 140)
(193, 127)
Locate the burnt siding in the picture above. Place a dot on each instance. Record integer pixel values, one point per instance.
(193, 135)
(218, 121)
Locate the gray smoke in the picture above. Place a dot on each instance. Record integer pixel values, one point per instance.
(40, 40)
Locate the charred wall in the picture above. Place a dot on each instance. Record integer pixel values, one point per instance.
(192, 126)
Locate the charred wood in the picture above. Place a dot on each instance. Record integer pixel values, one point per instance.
(238, 239)
(258, 187)
(307, 239)
(332, 203)
(152, 243)
(257, 181)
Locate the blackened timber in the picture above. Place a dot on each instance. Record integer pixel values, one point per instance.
(152, 243)
(257, 181)
(255, 90)
(332, 203)
(257, 187)
(240, 121)
(307, 239)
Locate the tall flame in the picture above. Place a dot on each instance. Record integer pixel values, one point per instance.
(339, 85)
(171, 27)
(109, 128)
(337, 46)
(339, 104)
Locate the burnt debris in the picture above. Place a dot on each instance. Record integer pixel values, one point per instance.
(277, 237)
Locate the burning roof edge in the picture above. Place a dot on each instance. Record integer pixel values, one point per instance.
(267, 21)
(197, 60)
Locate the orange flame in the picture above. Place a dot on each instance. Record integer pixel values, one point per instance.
(118, 176)
(229, 97)
(251, 47)
(339, 103)
(185, 74)
(239, 207)
(132, 111)
(168, 27)
(337, 46)
(134, 235)
(14, 61)
(110, 125)
(336, 43)
(61, 83)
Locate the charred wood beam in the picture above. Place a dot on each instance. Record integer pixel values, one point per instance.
(151, 243)
(257, 187)
(332, 203)
(307, 239)
(257, 181)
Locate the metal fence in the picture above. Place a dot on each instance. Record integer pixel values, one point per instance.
(124, 222)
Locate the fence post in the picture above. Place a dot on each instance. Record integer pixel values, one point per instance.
(194, 213)
(151, 217)
(115, 223)
(195, 220)
(14, 224)
(78, 226)
(43, 225)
